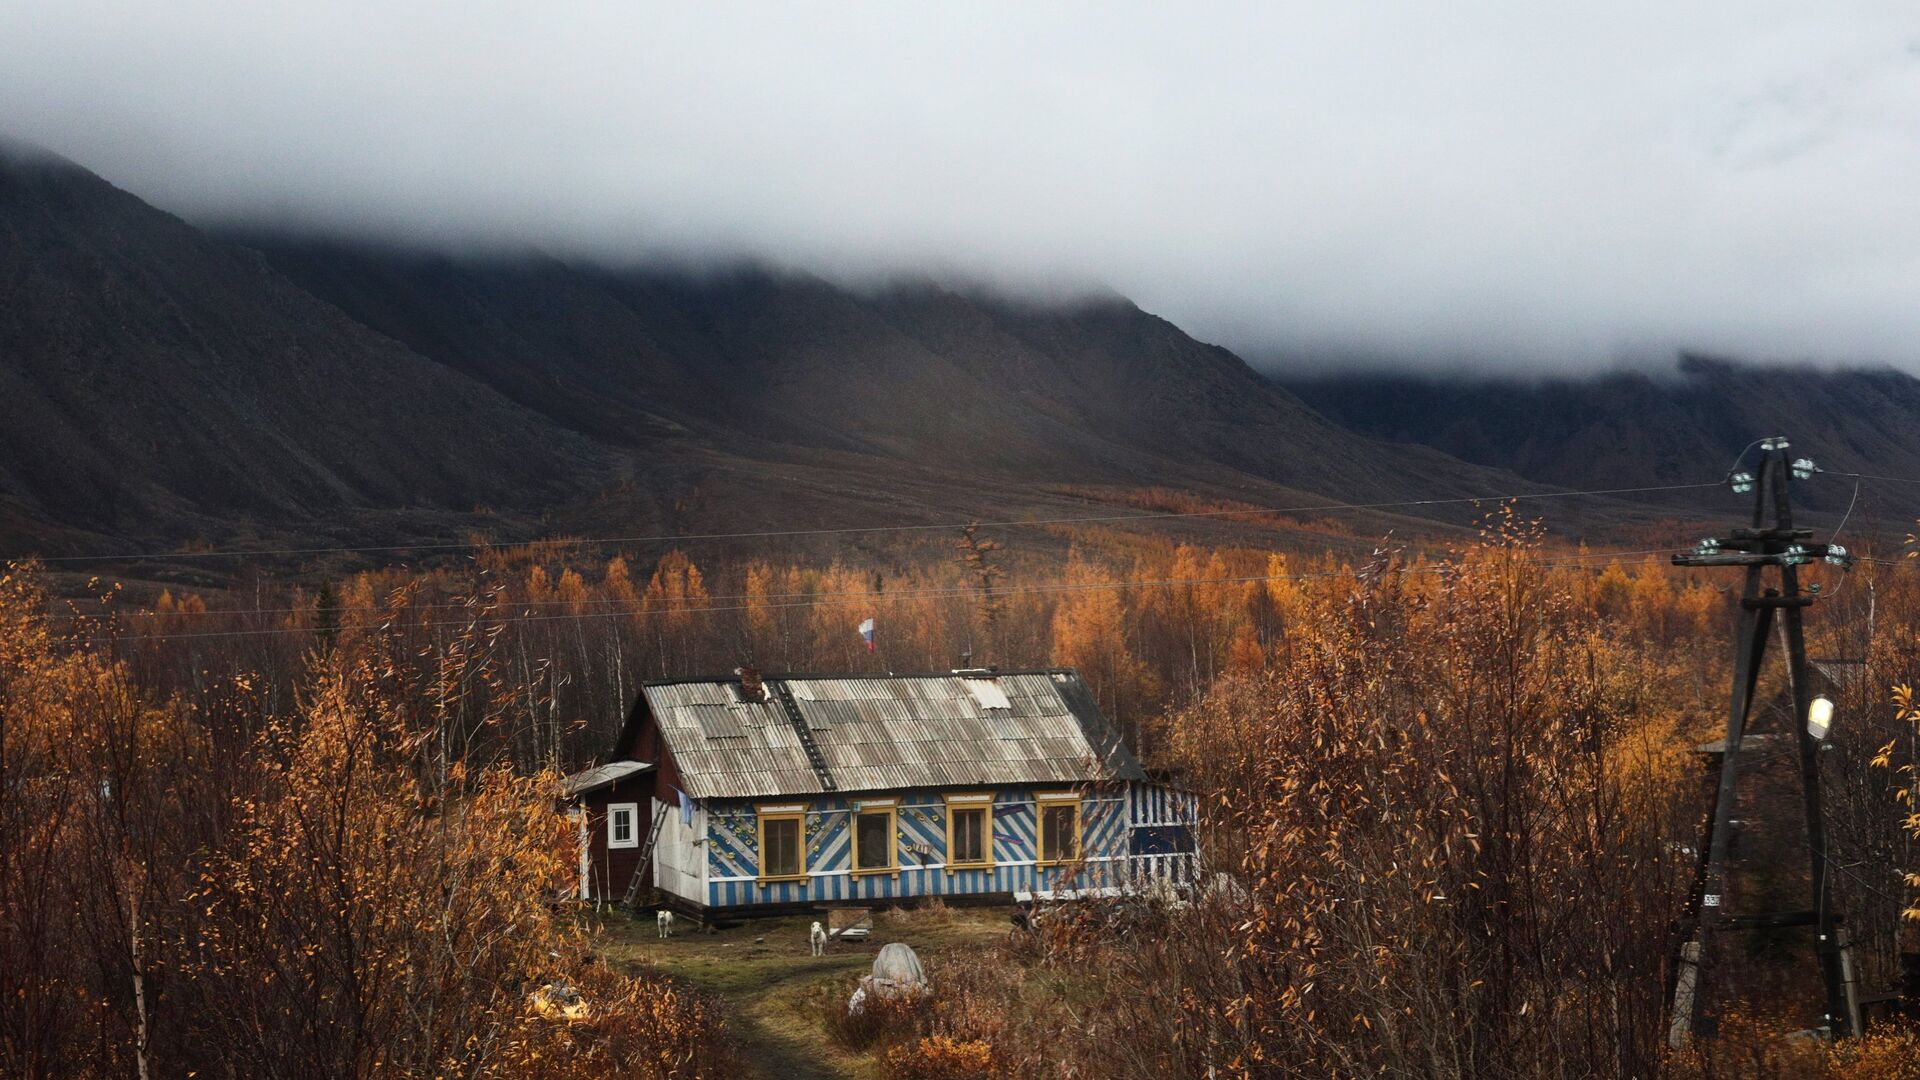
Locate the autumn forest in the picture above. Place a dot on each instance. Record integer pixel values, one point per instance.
(309, 830)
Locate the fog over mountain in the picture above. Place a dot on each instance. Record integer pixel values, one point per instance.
(160, 382)
(1504, 186)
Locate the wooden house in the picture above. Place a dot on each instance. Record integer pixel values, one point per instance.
(744, 793)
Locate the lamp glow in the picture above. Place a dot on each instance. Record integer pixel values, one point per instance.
(1820, 717)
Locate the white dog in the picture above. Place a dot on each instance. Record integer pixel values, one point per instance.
(664, 920)
(818, 937)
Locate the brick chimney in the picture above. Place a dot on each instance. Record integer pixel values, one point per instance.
(752, 687)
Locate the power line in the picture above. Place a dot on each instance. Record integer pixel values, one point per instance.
(1870, 476)
(1847, 870)
(1742, 455)
(1565, 560)
(1908, 561)
(849, 530)
(1844, 518)
(831, 600)
(1835, 535)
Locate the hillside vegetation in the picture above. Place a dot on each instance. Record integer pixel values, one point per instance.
(1455, 794)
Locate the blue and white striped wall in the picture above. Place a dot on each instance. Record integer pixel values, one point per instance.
(1128, 833)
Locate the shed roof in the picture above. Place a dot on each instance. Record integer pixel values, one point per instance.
(600, 776)
(884, 732)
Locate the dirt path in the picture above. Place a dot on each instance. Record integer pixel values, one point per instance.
(777, 991)
(784, 1037)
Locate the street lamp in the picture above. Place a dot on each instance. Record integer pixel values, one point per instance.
(1820, 717)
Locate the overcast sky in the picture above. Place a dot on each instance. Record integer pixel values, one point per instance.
(1520, 185)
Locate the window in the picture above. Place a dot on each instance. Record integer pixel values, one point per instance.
(970, 830)
(782, 842)
(873, 847)
(1059, 827)
(623, 825)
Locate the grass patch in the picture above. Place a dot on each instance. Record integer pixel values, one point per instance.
(780, 998)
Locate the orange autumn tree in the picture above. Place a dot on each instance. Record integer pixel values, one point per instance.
(1453, 835)
(355, 888)
(100, 788)
(367, 897)
(675, 593)
(1091, 633)
(400, 921)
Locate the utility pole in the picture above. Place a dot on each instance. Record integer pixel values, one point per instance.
(1760, 548)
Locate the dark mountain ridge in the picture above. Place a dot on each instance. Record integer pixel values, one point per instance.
(1629, 427)
(160, 383)
(151, 374)
(1097, 391)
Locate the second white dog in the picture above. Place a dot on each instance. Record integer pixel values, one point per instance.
(664, 920)
(818, 937)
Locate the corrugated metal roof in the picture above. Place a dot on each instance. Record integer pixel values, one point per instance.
(888, 732)
(600, 776)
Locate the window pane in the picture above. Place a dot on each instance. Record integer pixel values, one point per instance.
(620, 822)
(965, 843)
(874, 841)
(782, 855)
(1056, 832)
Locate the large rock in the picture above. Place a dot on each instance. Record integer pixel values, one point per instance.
(900, 965)
(897, 973)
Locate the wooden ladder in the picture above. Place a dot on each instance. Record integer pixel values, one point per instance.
(640, 868)
(805, 736)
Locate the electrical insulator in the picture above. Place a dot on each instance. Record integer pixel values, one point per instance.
(1708, 546)
(1796, 556)
(1804, 468)
(1837, 555)
(1742, 482)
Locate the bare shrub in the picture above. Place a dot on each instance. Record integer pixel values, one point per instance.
(1450, 802)
(1755, 1046)
(351, 888)
(881, 1020)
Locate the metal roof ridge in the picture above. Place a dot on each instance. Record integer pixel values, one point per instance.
(785, 676)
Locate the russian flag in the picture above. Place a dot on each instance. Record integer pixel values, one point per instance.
(866, 633)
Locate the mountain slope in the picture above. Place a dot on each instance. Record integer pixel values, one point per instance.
(151, 376)
(779, 366)
(1632, 428)
(160, 382)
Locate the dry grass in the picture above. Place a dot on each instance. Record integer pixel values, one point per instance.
(937, 1057)
(1752, 1047)
(779, 995)
(881, 1021)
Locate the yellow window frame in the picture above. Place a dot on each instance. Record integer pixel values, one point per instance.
(875, 808)
(1053, 800)
(983, 802)
(796, 813)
